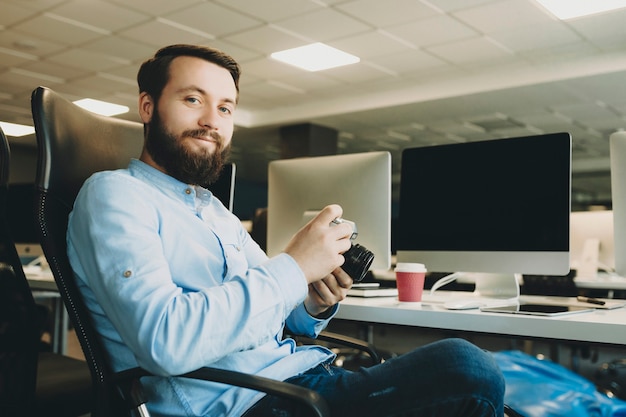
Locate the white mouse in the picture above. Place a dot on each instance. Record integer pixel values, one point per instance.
(463, 304)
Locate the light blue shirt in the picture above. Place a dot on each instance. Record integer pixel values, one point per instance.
(174, 282)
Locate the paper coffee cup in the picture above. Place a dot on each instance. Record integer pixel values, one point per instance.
(410, 281)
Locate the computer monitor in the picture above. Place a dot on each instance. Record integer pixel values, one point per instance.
(591, 243)
(493, 209)
(617, 149)
(361, 183)
(224, 187)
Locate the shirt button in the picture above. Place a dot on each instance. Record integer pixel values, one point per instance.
(128, 274)
(188, 191)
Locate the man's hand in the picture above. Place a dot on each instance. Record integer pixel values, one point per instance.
(327, 292)
(318, 246)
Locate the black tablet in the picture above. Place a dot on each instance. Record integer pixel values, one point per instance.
(537, 309)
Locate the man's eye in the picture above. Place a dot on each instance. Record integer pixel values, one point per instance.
(226, 110)
(192, 100)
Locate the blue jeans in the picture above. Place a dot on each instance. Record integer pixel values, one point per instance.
(451, 377)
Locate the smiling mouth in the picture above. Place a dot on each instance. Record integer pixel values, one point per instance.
(206, 138)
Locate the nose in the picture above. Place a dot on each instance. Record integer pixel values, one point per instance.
(209, 119)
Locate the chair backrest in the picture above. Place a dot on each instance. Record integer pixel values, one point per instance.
(73, 144)
(19, 335)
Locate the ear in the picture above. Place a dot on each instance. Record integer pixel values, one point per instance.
(146, 107)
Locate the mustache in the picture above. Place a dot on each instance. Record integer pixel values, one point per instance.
(204, 132)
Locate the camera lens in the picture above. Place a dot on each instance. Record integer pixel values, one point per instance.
(358, 262)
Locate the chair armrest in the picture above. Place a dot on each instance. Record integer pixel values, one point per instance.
(352, 343)
(130, 386)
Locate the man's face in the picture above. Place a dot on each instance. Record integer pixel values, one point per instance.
(190, 129)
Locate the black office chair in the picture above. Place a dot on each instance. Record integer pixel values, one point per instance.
(32, 383)
(73, 144)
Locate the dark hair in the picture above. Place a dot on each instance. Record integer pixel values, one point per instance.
(154, 73)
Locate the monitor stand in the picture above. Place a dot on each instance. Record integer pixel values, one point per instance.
(488, 285)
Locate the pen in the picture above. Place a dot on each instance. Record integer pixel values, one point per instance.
(590, 300)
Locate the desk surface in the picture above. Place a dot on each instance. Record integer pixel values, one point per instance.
(41, 281)
(599, 326)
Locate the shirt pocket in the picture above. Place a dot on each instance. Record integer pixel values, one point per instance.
(235, 259)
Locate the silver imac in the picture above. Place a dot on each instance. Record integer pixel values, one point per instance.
(361, 183)
(591, 243)
(491, 210)
(617, 147)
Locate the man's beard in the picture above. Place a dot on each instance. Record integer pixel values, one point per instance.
(199, 167)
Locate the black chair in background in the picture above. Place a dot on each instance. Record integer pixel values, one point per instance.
(32, 383)
(74, 143)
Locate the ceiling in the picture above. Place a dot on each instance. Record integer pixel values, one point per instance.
(431, 71)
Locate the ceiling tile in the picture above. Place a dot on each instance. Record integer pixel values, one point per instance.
(271, 11)
(470, 50)
(535, 37)
(29, 44)
(381, 14)
(265, 39)
(510, 14)
(452, 5)
(86, 59)
(408, 61)
(269, 69)
(355, 73)
(370, 44)
(241, 54)
(433, 31)
(10, 58)
(13, 13)
(311, 82)
(156, 7)
(124, 49)
(160, 32)
(30, 79)
(35, 5)
(47, 26)
(54, 70)
(99, 14)
(323, 25)
(213, 19)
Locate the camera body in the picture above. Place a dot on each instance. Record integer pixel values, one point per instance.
(357, 259)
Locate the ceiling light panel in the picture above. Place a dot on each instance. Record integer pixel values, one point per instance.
(315, 57)
(571, 9)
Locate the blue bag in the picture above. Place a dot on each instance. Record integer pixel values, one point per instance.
(541, 388)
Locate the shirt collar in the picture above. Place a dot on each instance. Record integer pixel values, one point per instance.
(192, 194)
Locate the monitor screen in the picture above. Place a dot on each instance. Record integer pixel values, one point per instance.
(617, 148)
(591, 242)
(361, 183)
(494, 206)
(224, 187)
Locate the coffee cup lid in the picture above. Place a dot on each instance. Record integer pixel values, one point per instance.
(410, 267)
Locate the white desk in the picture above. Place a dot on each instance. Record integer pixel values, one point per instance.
(600, 326)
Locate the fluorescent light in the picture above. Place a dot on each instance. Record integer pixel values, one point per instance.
(15, 130)
(101, 107)
(570, 9)
(315, 57)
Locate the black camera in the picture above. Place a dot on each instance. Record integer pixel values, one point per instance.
(357, 259)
